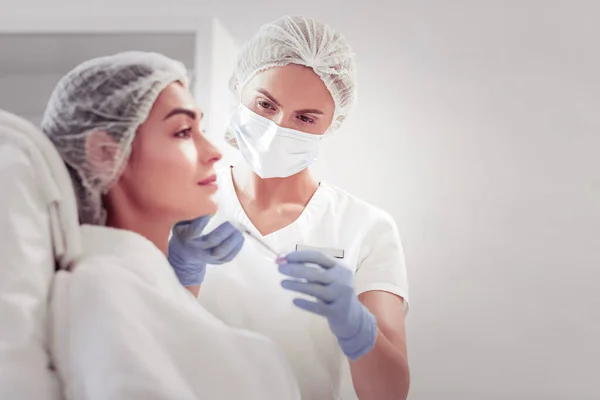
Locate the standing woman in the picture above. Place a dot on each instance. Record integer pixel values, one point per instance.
(295, 81)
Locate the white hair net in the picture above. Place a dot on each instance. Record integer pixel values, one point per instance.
(304, 41)
(112, 94)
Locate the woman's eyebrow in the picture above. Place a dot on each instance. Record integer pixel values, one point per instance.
(303, 111)
(268, 95)
(176, 111)
(310, 111)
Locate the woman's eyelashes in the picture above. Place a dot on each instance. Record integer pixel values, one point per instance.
(265, 105)
(305, 120)
(269, 108)
(189, 132)
(184, 133)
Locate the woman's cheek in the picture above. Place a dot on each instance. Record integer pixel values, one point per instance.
(189, 154)
(183, 155)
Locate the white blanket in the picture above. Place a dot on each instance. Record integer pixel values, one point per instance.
(124, 328)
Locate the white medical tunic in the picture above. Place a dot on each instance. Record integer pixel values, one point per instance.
(247, 292)
(124, 328)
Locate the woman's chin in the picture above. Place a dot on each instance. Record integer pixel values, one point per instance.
(208, 208)
(204, 208)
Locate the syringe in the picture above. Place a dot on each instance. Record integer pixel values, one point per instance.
(248, 233)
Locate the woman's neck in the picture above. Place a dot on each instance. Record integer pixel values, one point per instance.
(296, 189)
(152, 229)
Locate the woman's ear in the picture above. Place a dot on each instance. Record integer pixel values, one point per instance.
(101, 150)
(230, 138)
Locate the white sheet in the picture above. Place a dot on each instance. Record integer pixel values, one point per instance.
(124, 328)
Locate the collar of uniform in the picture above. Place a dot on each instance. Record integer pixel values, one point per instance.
(316, 207)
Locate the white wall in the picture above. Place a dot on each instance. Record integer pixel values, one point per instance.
(477, 128)
(224, 51)
(32, 63)
(202, 79)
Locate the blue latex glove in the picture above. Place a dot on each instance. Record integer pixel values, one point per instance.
(190, 251)
(332, 285)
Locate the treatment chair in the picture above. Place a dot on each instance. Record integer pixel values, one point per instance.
(39, 233)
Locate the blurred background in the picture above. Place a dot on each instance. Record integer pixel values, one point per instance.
(477, 128)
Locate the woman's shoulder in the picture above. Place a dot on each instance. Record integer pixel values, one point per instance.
(110, 253)
(346, 203)
(98, 240)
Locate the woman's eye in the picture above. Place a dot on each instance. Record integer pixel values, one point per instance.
(306, 119)
(185, 133)
(266, 105)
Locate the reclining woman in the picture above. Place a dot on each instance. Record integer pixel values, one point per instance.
(123, 326)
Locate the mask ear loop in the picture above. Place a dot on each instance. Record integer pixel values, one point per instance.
(229, 136)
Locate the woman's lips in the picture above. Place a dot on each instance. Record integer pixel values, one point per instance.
(208, 181)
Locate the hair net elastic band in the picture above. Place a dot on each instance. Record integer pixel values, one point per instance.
(317, 71)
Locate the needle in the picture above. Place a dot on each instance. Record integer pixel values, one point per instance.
(247, 232)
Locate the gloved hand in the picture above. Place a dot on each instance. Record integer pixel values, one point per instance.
(331, 284)
(190, 251)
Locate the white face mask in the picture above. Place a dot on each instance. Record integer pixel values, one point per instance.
(273, 151)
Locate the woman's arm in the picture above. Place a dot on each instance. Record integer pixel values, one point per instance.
(382, 283)
(383, 372)
(369, 327)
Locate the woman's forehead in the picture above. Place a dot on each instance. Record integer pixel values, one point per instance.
(293, 86)
(175, 96)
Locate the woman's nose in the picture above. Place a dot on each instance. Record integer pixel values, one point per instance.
(279, 119)
(208, 153)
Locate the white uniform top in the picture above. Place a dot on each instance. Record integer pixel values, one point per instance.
(247, 292)
(124, 328)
